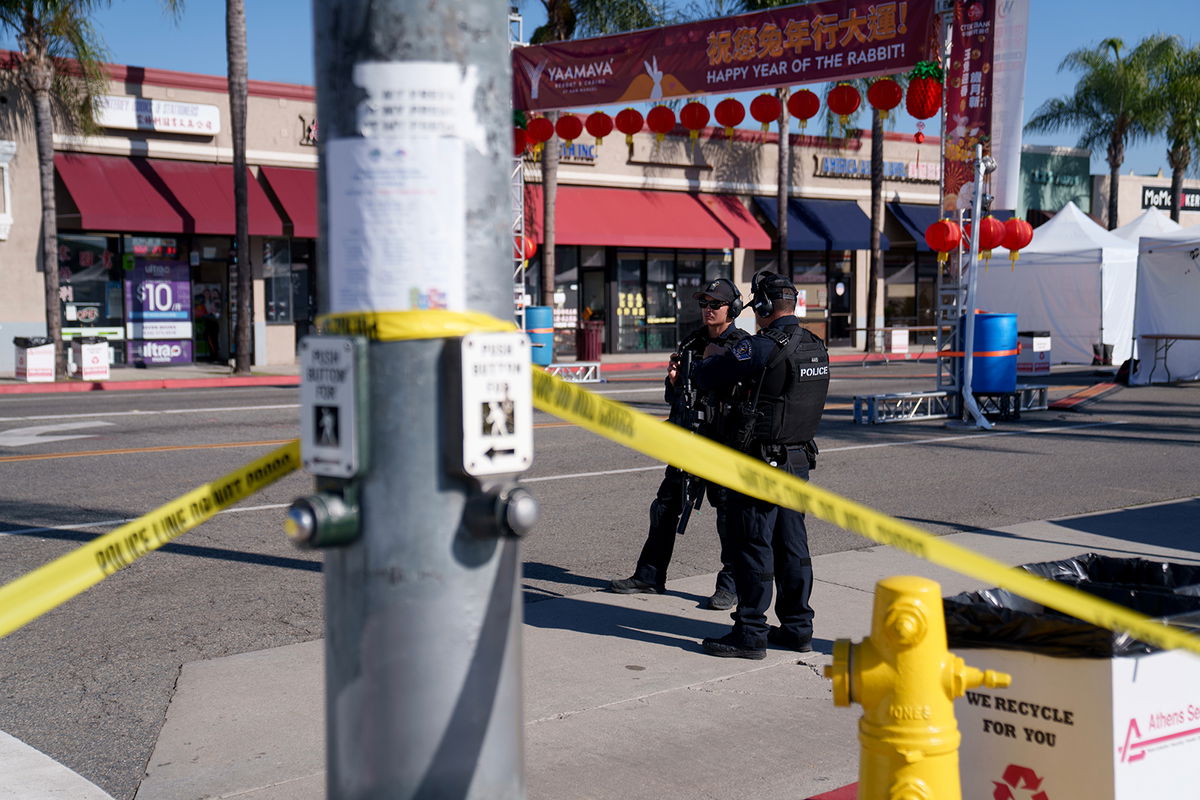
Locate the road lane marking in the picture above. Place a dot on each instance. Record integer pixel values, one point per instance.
(42, 434)
(136, 413)
(106, 522)
(934, 440)
(130, 450)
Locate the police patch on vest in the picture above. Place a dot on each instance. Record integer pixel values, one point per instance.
(813, 372)
(743, 350)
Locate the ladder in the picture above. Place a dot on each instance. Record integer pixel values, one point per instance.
(517, 185)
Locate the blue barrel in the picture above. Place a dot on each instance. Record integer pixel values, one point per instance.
(539, 324)
(995, 359)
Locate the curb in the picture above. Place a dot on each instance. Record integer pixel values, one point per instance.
(158, 383)
(845, 793)
(294, 380)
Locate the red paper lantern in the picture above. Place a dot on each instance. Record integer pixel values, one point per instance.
(599, 124)
(943, 237)
(804, 105)
(1017, 235)
(843, 100)
(568, 128)
(729, 113)
(539, 130)
(694, 116)
(766, 108)
(884, 95)
(924, 97)
(661, 121)
(519, 141)
(991, 235)
(524, 248)
(629, 122)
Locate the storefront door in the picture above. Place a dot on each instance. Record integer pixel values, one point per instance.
(689, 278)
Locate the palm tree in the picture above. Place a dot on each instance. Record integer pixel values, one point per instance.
(1111, 103)
(783, 180)
(236, 61)
(564, 19)
(1176, 102)
(49, 33)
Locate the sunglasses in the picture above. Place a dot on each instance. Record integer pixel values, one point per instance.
(712, 304)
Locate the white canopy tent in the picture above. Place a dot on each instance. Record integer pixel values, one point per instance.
(1168, 304)
(1075, 280)
(1152, 222)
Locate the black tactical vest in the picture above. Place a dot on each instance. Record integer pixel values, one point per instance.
(791, 392)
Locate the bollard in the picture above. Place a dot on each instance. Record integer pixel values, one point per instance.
(906, 681)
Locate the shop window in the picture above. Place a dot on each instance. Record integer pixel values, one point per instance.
(718, 265)
(900, 289)
(277, 280)
(661, 301)
(631, 301)
(566, 298)
(689, 278)
(90, 283)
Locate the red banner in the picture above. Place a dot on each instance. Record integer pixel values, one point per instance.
(824, 41)
(968, 99)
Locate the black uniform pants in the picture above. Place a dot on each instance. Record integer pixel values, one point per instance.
(771, 548)
(665, 511)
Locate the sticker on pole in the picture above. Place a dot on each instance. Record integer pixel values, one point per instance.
(331, 372)
(497, 404)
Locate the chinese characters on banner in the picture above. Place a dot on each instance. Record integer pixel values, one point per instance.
(830, 40)
(968, 99)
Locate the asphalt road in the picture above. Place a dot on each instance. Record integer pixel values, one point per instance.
(89, 683)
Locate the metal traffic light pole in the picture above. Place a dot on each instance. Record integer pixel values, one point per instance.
(422, 566)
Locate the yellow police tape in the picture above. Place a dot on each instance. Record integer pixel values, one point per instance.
(713, 462)
(51, 585)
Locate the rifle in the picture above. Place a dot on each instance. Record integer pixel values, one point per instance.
(693, 417)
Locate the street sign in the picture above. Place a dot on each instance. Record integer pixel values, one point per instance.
(331, 373)
(497, 404)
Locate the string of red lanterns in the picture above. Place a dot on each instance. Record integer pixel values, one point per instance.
(1014, 235)
(923, 99)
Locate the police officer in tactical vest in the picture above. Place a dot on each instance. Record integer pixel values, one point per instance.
(720, 302)
(782, 377)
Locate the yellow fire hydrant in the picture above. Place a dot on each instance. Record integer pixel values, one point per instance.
(906, 681)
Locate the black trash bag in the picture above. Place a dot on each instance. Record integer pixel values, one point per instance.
(1000, 619)
(31, 341)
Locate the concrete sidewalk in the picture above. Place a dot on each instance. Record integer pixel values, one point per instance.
(619, 699)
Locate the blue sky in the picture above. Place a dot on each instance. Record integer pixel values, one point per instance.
(137, 32)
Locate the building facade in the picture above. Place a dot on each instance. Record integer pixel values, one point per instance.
(642, 225)
(147, 258)
(146, 251)
(1136, 193)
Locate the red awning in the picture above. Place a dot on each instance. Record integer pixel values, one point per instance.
(115, 193)
(296, 190)
(646, 218)
(204, 195)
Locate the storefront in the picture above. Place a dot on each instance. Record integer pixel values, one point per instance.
(631, 249)
(146, 252)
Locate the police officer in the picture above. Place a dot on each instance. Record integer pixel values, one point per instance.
(720, 302)
(782, 373)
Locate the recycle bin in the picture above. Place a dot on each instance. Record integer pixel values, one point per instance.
(35, 359)
(1090, 713)
(89, 355)
(589, 338)
(1034, 355)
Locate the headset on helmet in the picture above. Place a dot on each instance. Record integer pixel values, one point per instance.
(767, 286)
